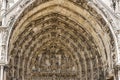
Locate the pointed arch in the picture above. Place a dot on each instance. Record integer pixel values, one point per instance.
(76, 29)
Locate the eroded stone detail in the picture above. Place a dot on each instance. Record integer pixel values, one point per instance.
(55, 47)
(3, 42)
(54, 64)
(53, 50)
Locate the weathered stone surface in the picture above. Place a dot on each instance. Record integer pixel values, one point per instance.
(60, 40)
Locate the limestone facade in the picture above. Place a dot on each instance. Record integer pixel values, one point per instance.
(60, 40)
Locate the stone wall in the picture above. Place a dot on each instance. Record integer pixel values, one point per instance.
(101, 11)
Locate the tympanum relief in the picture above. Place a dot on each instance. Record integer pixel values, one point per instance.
(54, 64)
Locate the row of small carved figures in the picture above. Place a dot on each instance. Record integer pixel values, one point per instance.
(55, 74)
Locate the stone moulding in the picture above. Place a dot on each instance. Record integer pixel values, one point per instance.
(82, 15)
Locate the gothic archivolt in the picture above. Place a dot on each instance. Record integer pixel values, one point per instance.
(60, 40)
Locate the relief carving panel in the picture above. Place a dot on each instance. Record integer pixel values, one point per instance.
(54, 64)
